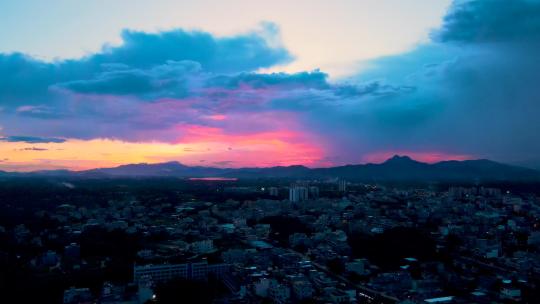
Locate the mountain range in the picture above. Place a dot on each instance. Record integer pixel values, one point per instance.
(397, 168)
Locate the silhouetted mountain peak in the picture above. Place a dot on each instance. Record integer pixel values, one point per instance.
(400, 159)
(174, 163)
(295, 167)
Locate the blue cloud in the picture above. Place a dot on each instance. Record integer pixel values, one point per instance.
(24, 79)
(314, 79)
(143, 62)
(491, 21)
(32, 139)
(40, 111)
(167, 80)
(246, 52)
(475, 88)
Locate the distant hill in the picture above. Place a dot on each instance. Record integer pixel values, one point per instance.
(403, 168)
(397, 168)
(174, 168)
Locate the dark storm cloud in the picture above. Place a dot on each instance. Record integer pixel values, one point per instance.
(491, 21)
(475, 88)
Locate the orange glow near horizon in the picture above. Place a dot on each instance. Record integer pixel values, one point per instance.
(201, 146)
(197, 145)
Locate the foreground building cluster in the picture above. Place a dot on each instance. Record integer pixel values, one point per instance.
(360, 244)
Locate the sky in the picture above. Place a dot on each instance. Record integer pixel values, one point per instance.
(265, 83)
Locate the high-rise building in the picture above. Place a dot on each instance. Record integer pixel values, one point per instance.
(298, 194)
(342, 186)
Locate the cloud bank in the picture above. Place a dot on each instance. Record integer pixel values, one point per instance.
(475, 84)
(470, 92)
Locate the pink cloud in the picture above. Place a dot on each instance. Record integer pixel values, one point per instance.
(218, 117)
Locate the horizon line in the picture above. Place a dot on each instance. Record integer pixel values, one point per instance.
(263, 166)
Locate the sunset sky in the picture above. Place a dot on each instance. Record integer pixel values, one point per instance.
(263, 83)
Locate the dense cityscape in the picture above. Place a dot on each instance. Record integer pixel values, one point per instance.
(267, 241)
(270, 152)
